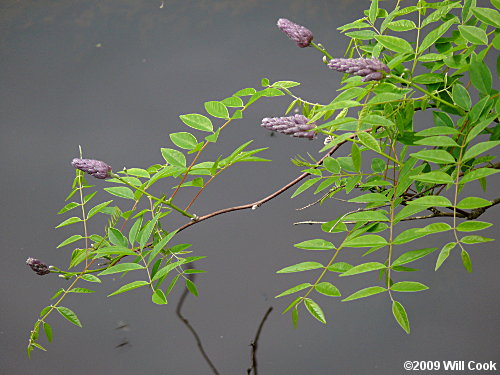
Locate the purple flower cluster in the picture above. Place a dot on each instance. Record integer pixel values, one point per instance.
(38, 266)
(299, 34)
(296, 126)
(96, 168)
(370, 69)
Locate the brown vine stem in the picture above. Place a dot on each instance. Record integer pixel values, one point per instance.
(254, 343)
(260, 202)
(472, 215)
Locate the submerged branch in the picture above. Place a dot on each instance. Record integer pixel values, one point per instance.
(191, 328)
(254, 343)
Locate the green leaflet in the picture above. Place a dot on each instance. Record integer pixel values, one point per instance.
(129, 286)
(315, 310)
(327, 289)
(365, 267)
(413, 255)
(69, 315)
(366, 292)
(400, 315)
(408, 286)
(295, 289)
(121, 267)
(299, 267)
(197, 121)
(317, 244)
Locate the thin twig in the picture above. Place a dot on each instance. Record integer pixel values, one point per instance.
(191, 328)
(254, 343)
(260, 202)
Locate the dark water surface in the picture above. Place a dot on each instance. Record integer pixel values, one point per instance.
(113, 76)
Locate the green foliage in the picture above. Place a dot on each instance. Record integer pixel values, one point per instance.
(393, 169)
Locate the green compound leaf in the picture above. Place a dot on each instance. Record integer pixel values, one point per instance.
(173, 157)
(197, 121)
(461, 97)
(233, 101)
(71, 220)
(81, 290)
(401, 25)
(306, 185)
(473, 34)
(444, 253)
(487, 15)
(295, 289)
(331, 165)
(169, 267)
(217, 109)
(121, 191)
(394, 43)
(96, 209)
(437, 130)
(369, 141)
(473, 202)
(436, 177)
(367, 216)
(339, 267)
(47, 328)
(184, 140)
(432, 201)
(191, 287)
(91, 278)
(477, 174)
(475, 239)
(327, 289)
(434, 35)
(159, 297)
(370, 198)
(245, 92)
(466, 260)
(479, 149)
(69, 240)
(116, 237)
(299, 267)
(435, 156)
(413, 255)
(368, 240)
(365, 267)
(129, 286)
(68, 207)
(317, 244)
(438, 141)
(471, 226)
(285, 84)
(122, 267)
(408, 286)
(315, 310)
(137, 172)
(295, 317)
(481, 77)
(134, 230)
(399, 313)
(69, 315)
(366, 292)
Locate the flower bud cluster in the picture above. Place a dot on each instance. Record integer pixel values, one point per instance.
(96, 168)
(299, 34)
(38, 266)
(370, 69)
(296, 126)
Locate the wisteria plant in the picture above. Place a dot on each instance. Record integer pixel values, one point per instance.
(392, 169)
